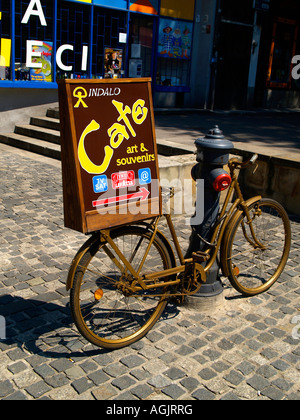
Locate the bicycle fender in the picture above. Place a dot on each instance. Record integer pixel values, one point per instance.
(234, 217)
(81, 252)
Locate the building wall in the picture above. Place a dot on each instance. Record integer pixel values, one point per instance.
(204, 28)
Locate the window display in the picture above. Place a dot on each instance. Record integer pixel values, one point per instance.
(283, 49)
(5, 41)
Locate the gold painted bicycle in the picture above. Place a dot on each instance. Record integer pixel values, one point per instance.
(122, 279)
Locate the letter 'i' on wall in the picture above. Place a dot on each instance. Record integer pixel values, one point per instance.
(5, 50)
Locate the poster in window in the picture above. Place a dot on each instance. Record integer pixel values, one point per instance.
(113, 63)
(175, 39)
(44, 73)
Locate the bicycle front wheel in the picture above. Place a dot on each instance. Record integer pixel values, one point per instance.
(254, 262)
(106, 312)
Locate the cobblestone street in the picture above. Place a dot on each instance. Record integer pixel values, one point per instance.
(248, 348)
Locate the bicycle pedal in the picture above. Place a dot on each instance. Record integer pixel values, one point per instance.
(199, 257)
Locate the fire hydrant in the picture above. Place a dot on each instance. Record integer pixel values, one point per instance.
(212, 154)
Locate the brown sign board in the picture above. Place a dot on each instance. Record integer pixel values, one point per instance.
(109, 155)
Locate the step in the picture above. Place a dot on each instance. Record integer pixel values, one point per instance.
(53, 113)
(32, 145)
(46, 134)
(46, 122)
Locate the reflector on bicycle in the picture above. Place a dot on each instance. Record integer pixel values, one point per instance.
(222, 182)
(98, 294)
(236, 270)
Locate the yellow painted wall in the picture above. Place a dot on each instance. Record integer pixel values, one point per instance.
(180, 9)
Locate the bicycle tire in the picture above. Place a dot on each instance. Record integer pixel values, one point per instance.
(116, 320)
(251, 269)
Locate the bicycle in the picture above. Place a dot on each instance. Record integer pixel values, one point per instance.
(121, 279)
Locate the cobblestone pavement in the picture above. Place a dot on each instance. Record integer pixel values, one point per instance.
(243, 350)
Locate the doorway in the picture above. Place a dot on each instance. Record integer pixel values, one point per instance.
(234, 54)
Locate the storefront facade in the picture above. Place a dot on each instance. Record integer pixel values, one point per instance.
(43, 41)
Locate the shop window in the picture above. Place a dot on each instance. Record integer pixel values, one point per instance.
(73, 32)
(141, 46)
(283, 48)
(34, 30)
(108, 52)
(174, 54)
(5, 40)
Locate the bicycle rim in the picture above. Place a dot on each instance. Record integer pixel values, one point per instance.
(103, 309)
(254, 266)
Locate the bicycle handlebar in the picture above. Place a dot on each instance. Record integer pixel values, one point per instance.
(237, 164)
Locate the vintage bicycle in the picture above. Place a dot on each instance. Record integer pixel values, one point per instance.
(122, 278)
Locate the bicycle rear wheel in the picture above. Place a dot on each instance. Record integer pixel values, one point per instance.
(253, 267)
(104, 309)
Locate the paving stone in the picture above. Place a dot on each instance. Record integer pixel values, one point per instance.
(99, 377)
(174, 391)
(6, 388)
(258, 382)
(58, 380)
(123, 382)
(132, 361)
(280, 365)
(159, 381)
(38, 389)
(175, 373)
(203, 394)
(207, 374)
(142, 391)
(273, 393)
(190, 383)
(234, 377)
(104, 392)
(81, 385)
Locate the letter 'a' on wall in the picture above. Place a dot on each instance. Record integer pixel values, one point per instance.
(109, 154)
(178, 9)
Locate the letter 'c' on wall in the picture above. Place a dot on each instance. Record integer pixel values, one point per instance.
(84, 160)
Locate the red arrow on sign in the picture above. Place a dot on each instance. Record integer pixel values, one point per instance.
(143, 194)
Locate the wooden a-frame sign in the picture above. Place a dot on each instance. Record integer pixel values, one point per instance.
(109, 155)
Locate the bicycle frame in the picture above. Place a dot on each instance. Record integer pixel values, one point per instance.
(151, 280)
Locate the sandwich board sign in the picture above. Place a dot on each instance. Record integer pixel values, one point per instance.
(109, 154)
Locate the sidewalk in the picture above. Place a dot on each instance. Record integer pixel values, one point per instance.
(267, 133)
(243, 350)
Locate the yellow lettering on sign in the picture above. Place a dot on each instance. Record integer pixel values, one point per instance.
(117, 130)
(117, 133)
(139, 112)
(84, 160)
(123, 115)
